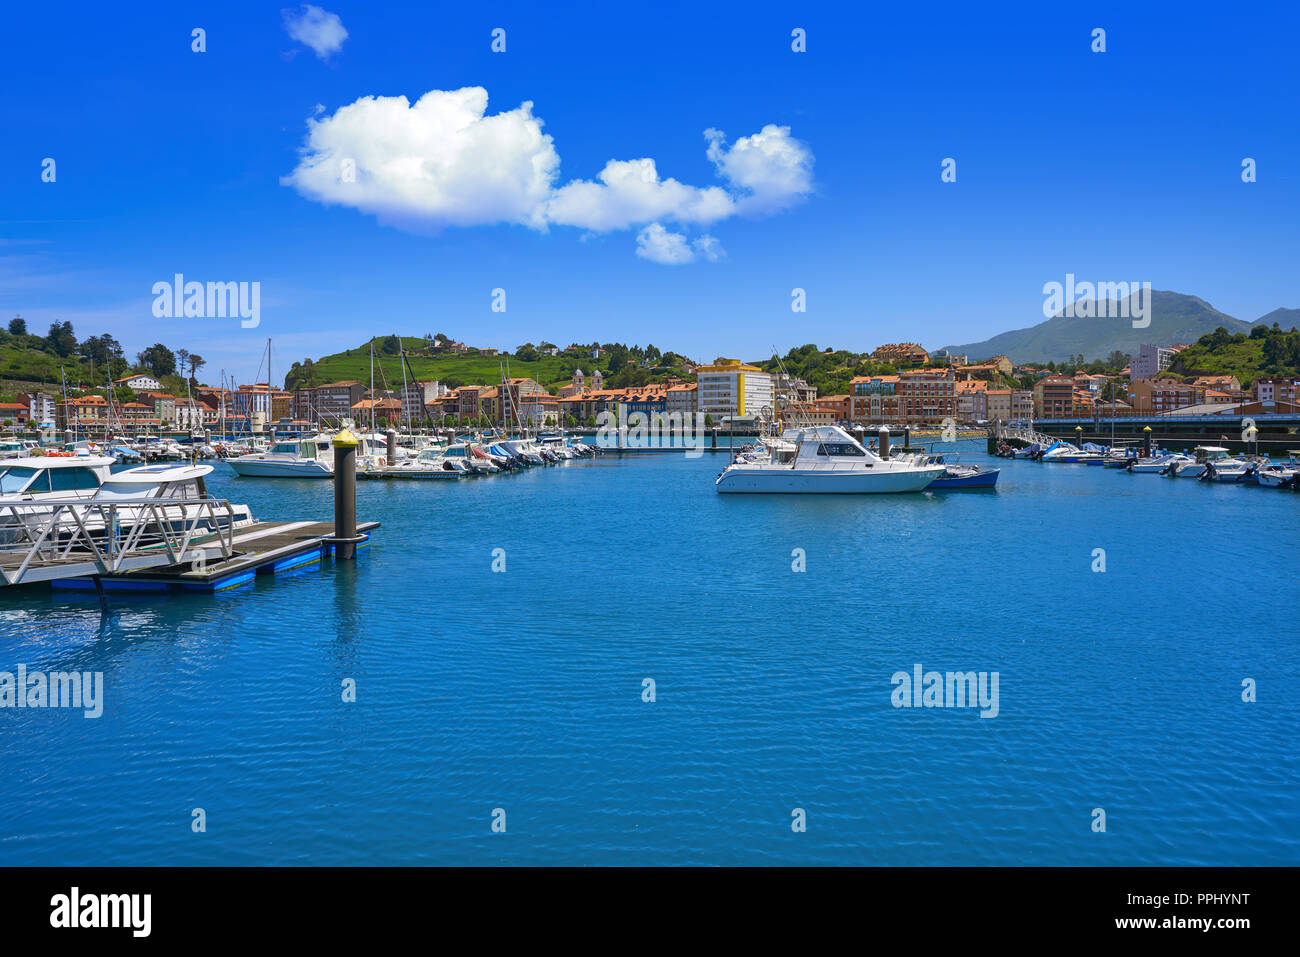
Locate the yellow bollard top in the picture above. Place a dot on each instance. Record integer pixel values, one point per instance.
(345, 439)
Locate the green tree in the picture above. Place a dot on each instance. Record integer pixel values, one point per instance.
(18, 326)
(158, 359)
(61, 339)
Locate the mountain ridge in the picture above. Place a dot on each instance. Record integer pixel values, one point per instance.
(1175, 318)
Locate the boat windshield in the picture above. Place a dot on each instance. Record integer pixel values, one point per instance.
(285, 448)
(839, 449)
(14, 480)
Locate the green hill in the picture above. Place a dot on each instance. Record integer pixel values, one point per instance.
(1264, 352)
(454, 369)
(1175, 318)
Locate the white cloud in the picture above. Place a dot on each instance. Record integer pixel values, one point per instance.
(437, 162)
(316, 28)
(630, 192)
(660, 245)
(444, 161)
(772, 168)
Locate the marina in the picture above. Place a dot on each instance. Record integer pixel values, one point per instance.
(434, 680)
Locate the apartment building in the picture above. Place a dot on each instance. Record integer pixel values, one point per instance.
(1009, 405)
(901, 353)
(927, 396)
(1151, 360)
(1054, 397)
(874, 400)
(731, 389)
(1160, 396)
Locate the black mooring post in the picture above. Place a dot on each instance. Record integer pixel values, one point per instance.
(345, 495)
(884, 442)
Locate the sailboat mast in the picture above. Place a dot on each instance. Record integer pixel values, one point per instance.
(401, 354)
(372, 385)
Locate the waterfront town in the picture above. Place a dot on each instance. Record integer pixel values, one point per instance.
(926, 389)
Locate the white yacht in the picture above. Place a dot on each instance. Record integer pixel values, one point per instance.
(824, 459)
(290, 458)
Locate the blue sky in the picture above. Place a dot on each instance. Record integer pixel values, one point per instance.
(1117, 166)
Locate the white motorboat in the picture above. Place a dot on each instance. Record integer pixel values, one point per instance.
(176, 487)
(293, 458)
(1205, 456)
(52, 476)
(1278, 476)
(824, 459)
(1158, 463)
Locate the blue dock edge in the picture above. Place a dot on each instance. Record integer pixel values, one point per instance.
(310, 553)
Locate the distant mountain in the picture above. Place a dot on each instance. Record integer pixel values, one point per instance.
(1285, 318)
(1175, 318)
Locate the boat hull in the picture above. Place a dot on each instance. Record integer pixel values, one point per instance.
(824, 482)
(260, 468)
(987, 479)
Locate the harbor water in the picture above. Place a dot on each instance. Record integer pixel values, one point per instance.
(519, 695)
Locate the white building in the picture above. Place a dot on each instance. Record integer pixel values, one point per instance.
(1151, 361)
(141, 383)
(731, 389)
(189, 414)
(41, 407)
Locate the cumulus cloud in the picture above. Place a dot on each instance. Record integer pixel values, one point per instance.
(773, 169)
(444, 161)
(629, 192)
(660, 245)
(440, 161)
(318, 29)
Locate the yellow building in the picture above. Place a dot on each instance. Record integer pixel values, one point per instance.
(731, 389)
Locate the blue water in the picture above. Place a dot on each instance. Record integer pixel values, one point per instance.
(522, 690)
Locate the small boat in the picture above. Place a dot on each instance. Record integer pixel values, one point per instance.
(956, 475)
(1278, 476)
(1204, 457)
(1158, 464)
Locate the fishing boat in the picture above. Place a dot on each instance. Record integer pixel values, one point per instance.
(824, 459)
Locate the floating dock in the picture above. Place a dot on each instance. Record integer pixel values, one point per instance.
(265, 548)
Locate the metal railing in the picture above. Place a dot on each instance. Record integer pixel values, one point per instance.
(73, 538)
(1025, 434)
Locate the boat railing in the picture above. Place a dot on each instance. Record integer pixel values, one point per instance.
(67, 538)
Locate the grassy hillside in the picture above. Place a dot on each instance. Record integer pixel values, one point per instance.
(1264, 352)
(22, 366)
(452, 369)
(1175, 318)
